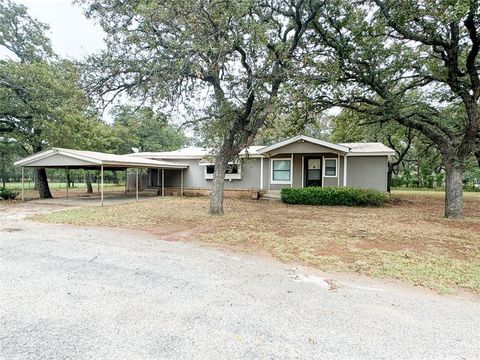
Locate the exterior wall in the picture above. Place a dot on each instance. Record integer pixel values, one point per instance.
(194, 176)
(337, 180)
(367, 172)
(299, 170)
(362, 172)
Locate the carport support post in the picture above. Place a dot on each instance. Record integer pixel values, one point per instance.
(101, 184)
(23, 187)
(136, 183)
(66, 178)
(163, 182)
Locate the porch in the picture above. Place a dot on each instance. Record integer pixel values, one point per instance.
(301, 163)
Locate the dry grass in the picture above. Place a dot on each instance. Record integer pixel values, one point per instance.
(31, 194)
(409, 240)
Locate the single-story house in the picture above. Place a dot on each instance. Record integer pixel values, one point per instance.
(296, 162)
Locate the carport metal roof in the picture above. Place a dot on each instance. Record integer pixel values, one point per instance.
(79, 159)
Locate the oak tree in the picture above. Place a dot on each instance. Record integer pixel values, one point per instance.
(224, 61)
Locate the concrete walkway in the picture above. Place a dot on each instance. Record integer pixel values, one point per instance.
(100, 293)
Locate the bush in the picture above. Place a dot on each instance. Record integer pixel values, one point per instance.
(334, 196)
(7, 194)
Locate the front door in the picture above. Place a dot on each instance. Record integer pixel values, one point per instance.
(313, 171)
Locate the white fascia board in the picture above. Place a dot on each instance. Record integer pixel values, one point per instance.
(309, 139)
(35, 157)
(139, 165)
(389, 153)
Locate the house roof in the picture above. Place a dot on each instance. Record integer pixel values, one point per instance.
(352, 149)
(301, 138)
(370, 148)
(192, 152)
(59, 157)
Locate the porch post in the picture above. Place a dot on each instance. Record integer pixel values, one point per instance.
(338, 170)
(101, 184)
(261, 173)
(163, 182)
(158, 177)
(291, 171)
(181, 182)
(23, 187)
(345, 170)
(136, 183)
(303, 171)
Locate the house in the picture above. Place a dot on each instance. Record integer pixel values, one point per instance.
(296, 162)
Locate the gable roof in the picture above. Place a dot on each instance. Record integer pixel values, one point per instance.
(301, 138)
(370, 148)
(66, 157)
(192, 152)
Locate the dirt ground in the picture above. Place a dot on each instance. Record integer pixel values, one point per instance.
(408, 239)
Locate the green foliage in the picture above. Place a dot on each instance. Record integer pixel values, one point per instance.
(224, 62)
(41, 102)
(21, 34)
(144, 129)
(334, 196)
(6, 194)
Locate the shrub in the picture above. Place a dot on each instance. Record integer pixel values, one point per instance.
(334, 196)
(7, 194)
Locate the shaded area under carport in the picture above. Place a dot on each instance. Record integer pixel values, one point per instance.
(87, 160)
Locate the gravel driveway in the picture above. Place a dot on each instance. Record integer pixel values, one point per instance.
(90, 293)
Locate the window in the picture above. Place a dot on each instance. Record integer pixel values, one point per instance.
(233, 171)
(330, 168)
(281, 171)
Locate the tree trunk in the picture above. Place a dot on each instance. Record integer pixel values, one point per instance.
(41, 183)
(389, 177)
(216, 197)
(454, 191)
(4, 181)
(88, 180)
(69, 180)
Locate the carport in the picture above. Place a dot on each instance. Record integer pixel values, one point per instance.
(87, 160)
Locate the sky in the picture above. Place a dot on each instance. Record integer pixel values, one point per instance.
(73, 35)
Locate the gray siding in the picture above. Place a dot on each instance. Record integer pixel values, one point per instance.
(367, 172)
(194, 176)
(362, 172)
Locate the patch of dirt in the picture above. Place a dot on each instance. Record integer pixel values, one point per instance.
(400, 201)
(389, 245)
(340, 252)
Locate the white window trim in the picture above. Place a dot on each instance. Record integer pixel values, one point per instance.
(336, 167)
(281, 182)
(227, 176)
